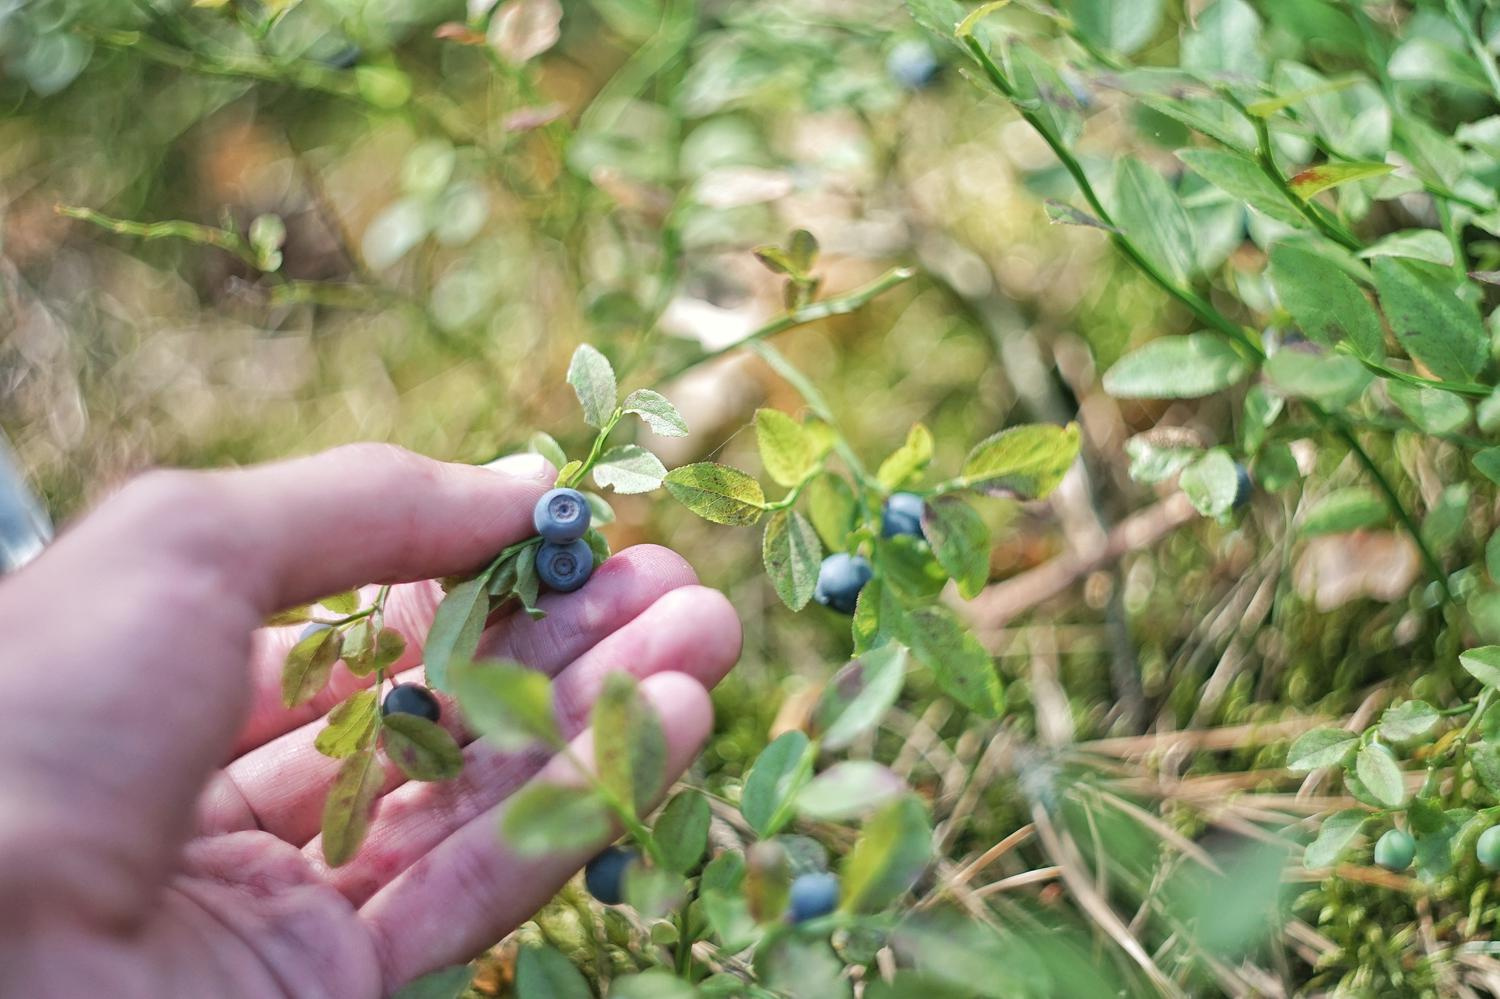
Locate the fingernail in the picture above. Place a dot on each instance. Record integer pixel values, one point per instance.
(524, 466)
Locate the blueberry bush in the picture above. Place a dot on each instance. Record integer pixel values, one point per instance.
(1110, 386)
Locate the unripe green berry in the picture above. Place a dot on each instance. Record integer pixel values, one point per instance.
(1487, 849)
(1395, 850)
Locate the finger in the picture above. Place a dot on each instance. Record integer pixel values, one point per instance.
(363, 513)
(415, 817)
(619, 590)
(280, 786)
(472, 889)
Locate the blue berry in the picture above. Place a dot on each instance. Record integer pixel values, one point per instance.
(565, 567)
(903, 515)
(1487, 849)
(604, 876)
(411, 699)
(1395, 850)
(561, 515)
(913, 65)
(840, 579)
(1244, 486)
(813, 895)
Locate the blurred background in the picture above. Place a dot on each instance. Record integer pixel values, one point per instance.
(341, 220)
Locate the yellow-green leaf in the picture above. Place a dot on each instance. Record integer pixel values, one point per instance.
(907, 460)
(351, 802)
(718, 493)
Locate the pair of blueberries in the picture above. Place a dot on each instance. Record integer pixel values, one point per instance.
(842, 575)
(564, 561)
(814, 894)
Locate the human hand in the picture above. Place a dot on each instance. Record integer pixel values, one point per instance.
(159, 808)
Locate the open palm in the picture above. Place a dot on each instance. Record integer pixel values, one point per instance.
(159, 808)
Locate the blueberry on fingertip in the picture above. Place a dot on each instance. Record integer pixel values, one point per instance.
(561, 515)
(565, 567)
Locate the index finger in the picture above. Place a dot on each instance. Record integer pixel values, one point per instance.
(369, 513)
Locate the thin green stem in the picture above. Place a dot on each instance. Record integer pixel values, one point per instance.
(1216, 320)
(1265, 158)
(826, 308)
(595, 452)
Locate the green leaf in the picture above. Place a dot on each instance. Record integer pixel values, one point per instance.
(960, 542)
(1225, 42)
(907, 460)
(1153, 459)
(1240, 177)
(629, 469)
(833, 510)
(506, 703)
(1485, 757)
(1408, 720)
(1488, 463)
(449, 983)
(456, 628)
(964, 670)
(1432, 410)
(351, 726)
(630, 749)
(1483, 664)
(1413, 244)
(891, 852)
(717, 493)
(1334, 837)
(1026, 461)
(796, 966)
(1211, 483)
(802, 249)
(1344, 510)
(1436, 327)
(657, 412)
(1119, 27)
(342, 603)
(859, 695)
(848, 790)
(1320, 747)
(774, 779)
(543, 819)
(654, 892)
(423, 750)
(308, 666)
(351, 802)
(1147, 210)
(1324, 300)
(364, 656)
(1332, 380)
(544, 445)
(792, 557)
(1177, 367)
(528, 585)
(1320, 178)
(602, 512)
(1376, 767)
(544, 973)
(681, 831)
(787, 450)
(593, 381)
(651, 985)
